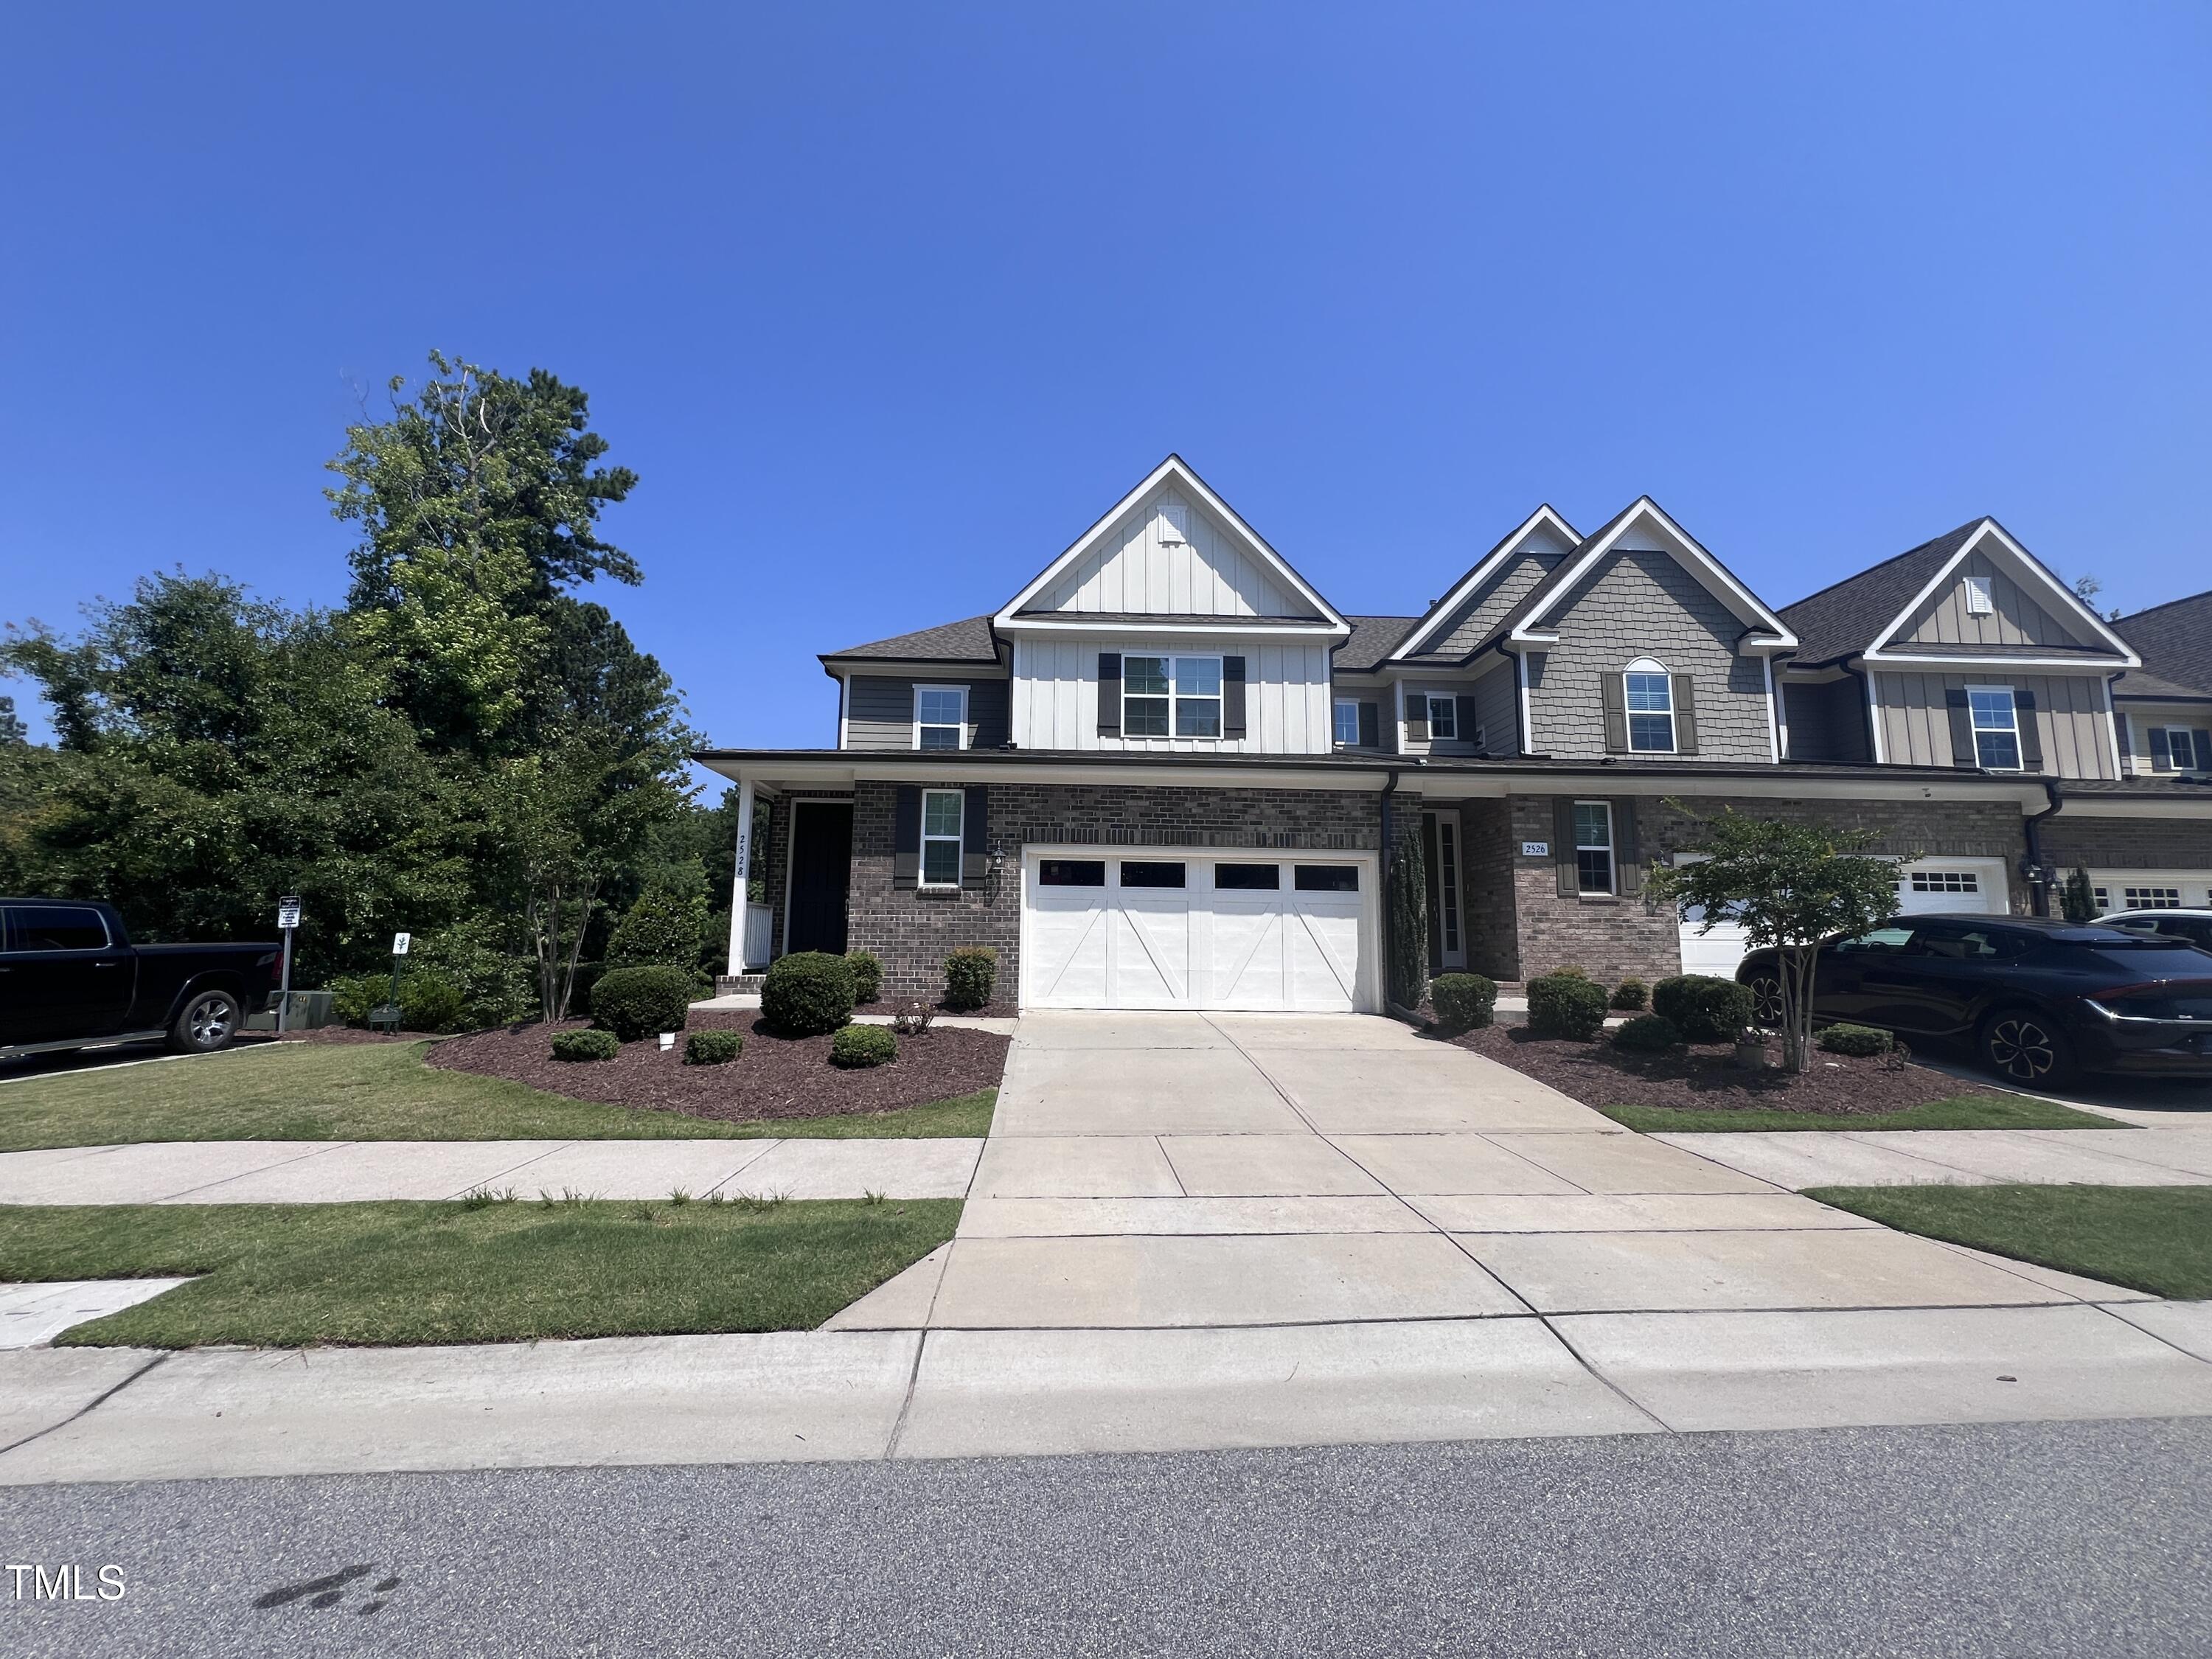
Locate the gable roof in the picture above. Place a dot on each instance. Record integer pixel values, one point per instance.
(1858, 614)
(1525, 624)
(1178, 471)
(967, 639)
(1433, 621)
(2175, 642)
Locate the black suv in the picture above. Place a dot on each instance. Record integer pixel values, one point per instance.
(2039, 999)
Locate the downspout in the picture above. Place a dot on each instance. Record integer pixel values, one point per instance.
(2033, 825)
(1383, 897)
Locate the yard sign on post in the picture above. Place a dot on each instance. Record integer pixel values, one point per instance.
(399, 943)
(288, 919)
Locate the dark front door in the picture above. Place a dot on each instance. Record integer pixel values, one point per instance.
(821, 864)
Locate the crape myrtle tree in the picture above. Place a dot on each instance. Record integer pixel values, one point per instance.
(1790, 886)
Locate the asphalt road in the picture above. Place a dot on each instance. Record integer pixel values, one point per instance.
(2042, 1540)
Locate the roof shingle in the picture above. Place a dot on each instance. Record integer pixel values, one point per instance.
(1840, 620)
(2174, 639)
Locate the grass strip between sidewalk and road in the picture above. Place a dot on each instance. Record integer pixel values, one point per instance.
(1964, 1112)
(297, 1275)
(2157, 1239)
(383, 1092)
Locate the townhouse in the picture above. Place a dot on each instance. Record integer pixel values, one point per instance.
(1169, 773)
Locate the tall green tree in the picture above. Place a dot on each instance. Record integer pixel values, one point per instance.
(14, 734)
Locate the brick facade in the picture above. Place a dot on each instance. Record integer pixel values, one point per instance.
(2109, 843)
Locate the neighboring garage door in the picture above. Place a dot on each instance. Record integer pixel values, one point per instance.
(1973, 885)
(1151, 928)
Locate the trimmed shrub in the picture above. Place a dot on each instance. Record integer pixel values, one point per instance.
(1567, 1006)
(1860, 1040)
(1630, 996)
(352, 996)
(712, 1048)
(969, 974)
(1570, 972)
(498, 985)
(863, 1045)
(807, 993)
(1462, 1001)
(867, 975)
(1648, 1034)
(641, 1002)
(589, 1044)
(430, 1002)
(1704, 1009)
(661, 930)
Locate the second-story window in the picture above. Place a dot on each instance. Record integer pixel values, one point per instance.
(2181, 750)
(1444, 719)
(1651, 693)
(1996, 727)
(940, 717)
(1347, 716)
(1170, 696)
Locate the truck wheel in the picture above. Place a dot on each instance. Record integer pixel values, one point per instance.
(208, 1023)
(2026, 1048)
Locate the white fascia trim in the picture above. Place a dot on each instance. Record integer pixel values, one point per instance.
(1708, 571)
(1176, 469)
(1075, 622)
(1443, 610)
(2026, 564)
(1774, 722)
(2112, 734)
(1904, 662)
(1528, 732)
(844, 695)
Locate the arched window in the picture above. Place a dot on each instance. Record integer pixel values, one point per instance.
(1650, 697)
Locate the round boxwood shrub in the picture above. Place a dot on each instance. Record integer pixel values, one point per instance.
(712, 1048)
(1630, 996)
(1648, 1034)
(1861, 1040)
(807, 993)
(592, 1044)
(1704, 1009)
(969, 974)
(641, 1002)
(863, 1045)
(1567, 1006)
(867, 975)
(1462, 1001)
(430, 1002)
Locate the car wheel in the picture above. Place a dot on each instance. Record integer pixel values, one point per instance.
(208, 1023)
(2024, 1047)
(1766, 1001)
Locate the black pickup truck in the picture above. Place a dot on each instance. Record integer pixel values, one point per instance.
(70, 977)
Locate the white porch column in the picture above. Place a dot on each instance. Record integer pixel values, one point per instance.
(744, 876)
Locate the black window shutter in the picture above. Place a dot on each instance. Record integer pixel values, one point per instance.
(1627, 856)
(1685, 714)
(1371, 726)
(1962, 729)
(2031, 729)
(1616, 713)
(2162, 750)
(1417, 716)
(1563, 847)
(1109, 694)
(1468, 719)
(2120, 731)
(2203, 751)
(1232, 696)
(975, 837)
(906, 836)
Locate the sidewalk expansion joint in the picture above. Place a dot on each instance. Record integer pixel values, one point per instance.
(96, 1401)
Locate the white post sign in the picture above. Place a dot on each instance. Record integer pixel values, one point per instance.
(288, 919)
(287, 912)
(400, 942)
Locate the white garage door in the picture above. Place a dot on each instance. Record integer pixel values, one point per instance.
(1165, 929)
(1975, 885)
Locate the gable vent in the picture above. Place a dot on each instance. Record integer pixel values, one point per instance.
(1175, 524)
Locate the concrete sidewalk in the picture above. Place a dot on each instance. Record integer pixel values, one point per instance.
(339, 1172)
(1903, 1158)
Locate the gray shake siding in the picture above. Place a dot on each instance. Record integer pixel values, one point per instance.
(1496, 705)
(879, 710)
(1644, 604)
(1488, 608)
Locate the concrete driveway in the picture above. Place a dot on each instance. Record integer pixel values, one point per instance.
(1174, 1171)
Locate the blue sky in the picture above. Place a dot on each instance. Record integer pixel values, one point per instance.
(886, 303)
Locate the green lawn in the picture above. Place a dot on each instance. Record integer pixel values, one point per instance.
(1965, 1112)
(380, 1091)
(293, 1275)
(2149, 1238)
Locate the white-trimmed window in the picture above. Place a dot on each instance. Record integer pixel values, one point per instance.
(1651, 693)
(1996, 727)
(1170, 696)
(2181, 750)
(1345, 712)
(1945, 881)
(1444, 719)
(943, 815)
(2152, 898)
(940, 717)
(1980, 601)
(1594, 846)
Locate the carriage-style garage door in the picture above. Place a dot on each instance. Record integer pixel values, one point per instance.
(1164, 928)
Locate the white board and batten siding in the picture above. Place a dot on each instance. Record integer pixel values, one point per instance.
(1287, 693)
(1169, 558)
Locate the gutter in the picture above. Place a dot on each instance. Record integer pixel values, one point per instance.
(2038, 875)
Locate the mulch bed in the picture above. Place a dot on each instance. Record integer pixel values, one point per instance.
(1704, 1078)
(776, 1077)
